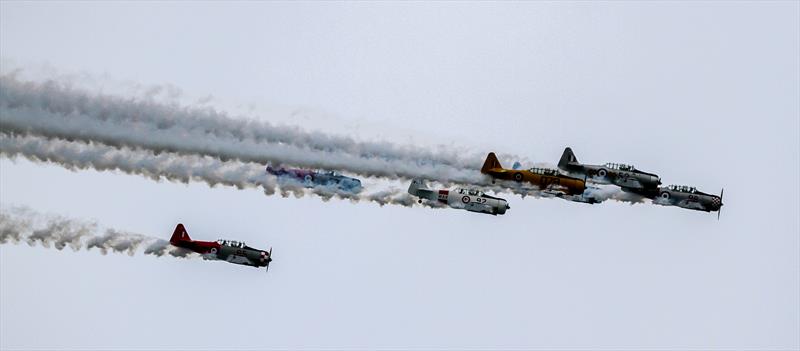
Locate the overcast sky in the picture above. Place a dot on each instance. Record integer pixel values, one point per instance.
(704, 94)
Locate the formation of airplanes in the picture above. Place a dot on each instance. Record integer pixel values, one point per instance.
(630, 179)
(569, 181)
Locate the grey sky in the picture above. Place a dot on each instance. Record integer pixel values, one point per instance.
(703, 94)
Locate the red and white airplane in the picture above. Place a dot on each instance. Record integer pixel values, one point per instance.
(225, 250)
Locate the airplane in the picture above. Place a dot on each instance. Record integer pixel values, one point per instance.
(689, 197)
(310, 178)
(224, 250)
(625, 176)
(460, 198)
(549, 180)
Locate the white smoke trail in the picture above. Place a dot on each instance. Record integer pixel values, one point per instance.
(20, 224)
(602, 192)
(23, 120)
(594, 193)
(55, 110)
(174, 167)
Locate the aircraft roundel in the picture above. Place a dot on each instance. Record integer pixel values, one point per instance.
(465, 199)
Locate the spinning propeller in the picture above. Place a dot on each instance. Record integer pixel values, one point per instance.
(269, 259)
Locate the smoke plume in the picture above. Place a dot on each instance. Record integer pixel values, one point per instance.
(20, 224)
(55, 110)
(53, 122)
(178, 168)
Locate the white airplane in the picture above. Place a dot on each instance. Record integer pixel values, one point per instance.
(460, 198)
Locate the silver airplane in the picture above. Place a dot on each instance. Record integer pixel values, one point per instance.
(689, 197)
(625, 176)
(460, 198)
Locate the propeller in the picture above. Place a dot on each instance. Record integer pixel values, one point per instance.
(269, 259)
(719, 211)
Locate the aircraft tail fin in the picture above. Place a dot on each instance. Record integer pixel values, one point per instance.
(179, 234)
(416, 185)
(490, 163)
(568, 157)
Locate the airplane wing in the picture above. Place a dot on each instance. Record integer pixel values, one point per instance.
(630, 182)
(476, 207)
(556, 190)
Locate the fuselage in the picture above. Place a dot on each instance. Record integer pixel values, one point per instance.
(225, 250)
(200, 247)
(625, 176)
(466, 199)
(687, 197)
(545, 179)
(542, 178)
(473, 200)
(617, 174)
(311, 178)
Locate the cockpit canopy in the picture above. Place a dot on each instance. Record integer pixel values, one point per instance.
(621, 166)
(472, 192)
(231, 243)
(544, 171)
(683, 188)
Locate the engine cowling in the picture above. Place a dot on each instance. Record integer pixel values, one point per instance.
(502, 207)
